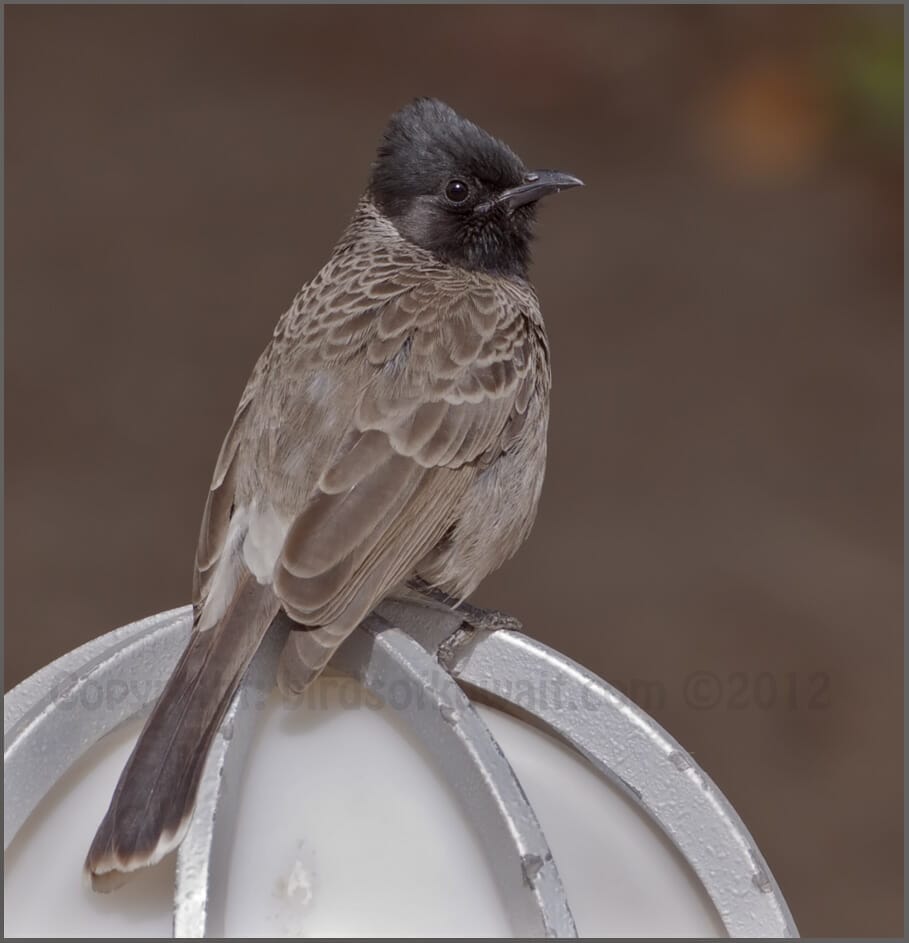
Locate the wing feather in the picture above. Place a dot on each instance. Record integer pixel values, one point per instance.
(437, 368)
(219, 504)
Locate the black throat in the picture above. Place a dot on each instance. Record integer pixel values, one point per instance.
(497, 243)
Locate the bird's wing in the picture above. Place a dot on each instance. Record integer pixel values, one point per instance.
(221, 495)
(443, 374)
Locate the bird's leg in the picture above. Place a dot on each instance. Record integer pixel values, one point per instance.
(489, 619)
(477, 618)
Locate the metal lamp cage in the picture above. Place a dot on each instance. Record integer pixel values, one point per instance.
(48, 727)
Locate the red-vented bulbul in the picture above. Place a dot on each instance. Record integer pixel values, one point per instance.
(392, 435)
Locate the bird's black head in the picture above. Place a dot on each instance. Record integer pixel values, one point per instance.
(455, 190)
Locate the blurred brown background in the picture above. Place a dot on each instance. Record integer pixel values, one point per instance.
(724, 305)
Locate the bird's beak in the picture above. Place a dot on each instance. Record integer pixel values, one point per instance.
(537, 184)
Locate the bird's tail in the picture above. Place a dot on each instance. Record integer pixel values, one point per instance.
(153, 803)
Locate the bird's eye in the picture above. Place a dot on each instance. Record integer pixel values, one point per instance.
(457, 191)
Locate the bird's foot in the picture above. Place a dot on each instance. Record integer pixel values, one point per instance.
(490, 620)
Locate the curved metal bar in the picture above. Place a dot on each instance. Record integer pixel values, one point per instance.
(401, 672)
(624, 743)
(52, 718)
(202, 856)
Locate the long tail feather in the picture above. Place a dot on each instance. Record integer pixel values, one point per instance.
(153, 803)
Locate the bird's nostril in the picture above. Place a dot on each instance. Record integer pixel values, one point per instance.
(531, 178)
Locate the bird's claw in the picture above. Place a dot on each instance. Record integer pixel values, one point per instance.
(489, 620)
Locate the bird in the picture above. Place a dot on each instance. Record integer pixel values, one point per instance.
(390, 444)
